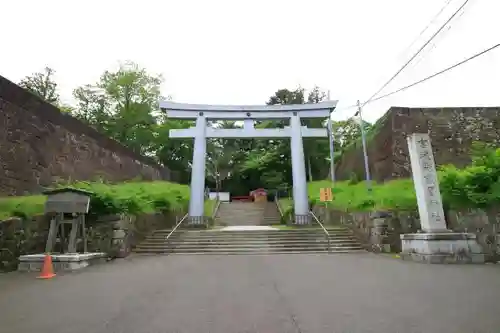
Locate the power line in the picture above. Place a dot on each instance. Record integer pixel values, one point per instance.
(433, 46)
(417, 53)
(427, 78)
(436, 74)
(448, 2)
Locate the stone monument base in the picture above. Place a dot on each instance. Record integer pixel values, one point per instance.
(60, 262)
(442, 248)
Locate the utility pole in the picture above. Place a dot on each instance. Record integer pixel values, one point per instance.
(365, 153)
(331, 143)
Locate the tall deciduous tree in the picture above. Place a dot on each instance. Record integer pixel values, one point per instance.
(347, 132)
(93, 107)
(124, 105)
(43, 85)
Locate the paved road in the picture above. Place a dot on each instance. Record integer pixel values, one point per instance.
(348, 293)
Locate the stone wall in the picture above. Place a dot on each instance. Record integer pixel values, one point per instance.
(379, 232)
(452, 131)
(39, 146)
(114, 235)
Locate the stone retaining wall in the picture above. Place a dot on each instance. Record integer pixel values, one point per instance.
(379, 232)
(41, 146)
(114, 235)
(452, 131)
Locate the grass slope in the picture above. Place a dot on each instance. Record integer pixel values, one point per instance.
(397, 194)
(145, 197)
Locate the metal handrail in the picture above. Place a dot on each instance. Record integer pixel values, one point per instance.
(216, 208)
(327, 234)
(176, 226)
(277, 202)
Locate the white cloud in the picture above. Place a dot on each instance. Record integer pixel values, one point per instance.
(234, 52)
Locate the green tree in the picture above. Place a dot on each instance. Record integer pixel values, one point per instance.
(347, 132)
(176, 154)
(267, 162)
(124, 105)
(286, 97)
(65, 108)
(42, 84)
(475, 186)
(93, 107)
(316, 150)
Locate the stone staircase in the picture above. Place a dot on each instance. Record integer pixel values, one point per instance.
(300, 240)
(247, 213)
(271, 214)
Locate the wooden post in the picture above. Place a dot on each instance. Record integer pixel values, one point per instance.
(84, 232)
(51, 239)
(73, 236)
(62, 233)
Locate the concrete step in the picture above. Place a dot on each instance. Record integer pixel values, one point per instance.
(222, 253)
(151, 242)
(240, 219)
(305, 230)
(261, 235)
(245, 250)
(213, 241)
(256, 237)
(247, 246)
(245, 212)
(238, 215)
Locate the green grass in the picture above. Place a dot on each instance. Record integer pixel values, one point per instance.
(143, 194)
(19, 206)
(396, 194)
(393, 195)
(145, 197)
(209, 207)
(285, 203)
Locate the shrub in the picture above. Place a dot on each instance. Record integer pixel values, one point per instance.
(475, 186)
(353, 178)
(128, 198)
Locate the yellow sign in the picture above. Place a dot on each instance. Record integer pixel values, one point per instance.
(325, 194)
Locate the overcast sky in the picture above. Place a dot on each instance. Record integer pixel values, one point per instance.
(240, 52)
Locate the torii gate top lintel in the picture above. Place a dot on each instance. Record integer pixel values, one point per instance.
(191, 111)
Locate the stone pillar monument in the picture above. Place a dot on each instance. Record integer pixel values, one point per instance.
(436, 243)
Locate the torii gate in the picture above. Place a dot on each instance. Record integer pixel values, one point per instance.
(248, 113)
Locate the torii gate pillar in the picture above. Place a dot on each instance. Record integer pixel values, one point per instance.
(299, 182)
(248, 114)
(197, 195)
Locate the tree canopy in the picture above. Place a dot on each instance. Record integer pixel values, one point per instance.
(123, 104)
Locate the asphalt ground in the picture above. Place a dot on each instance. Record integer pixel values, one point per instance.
(310, 293)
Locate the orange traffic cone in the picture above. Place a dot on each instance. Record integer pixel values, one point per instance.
(47, 269)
